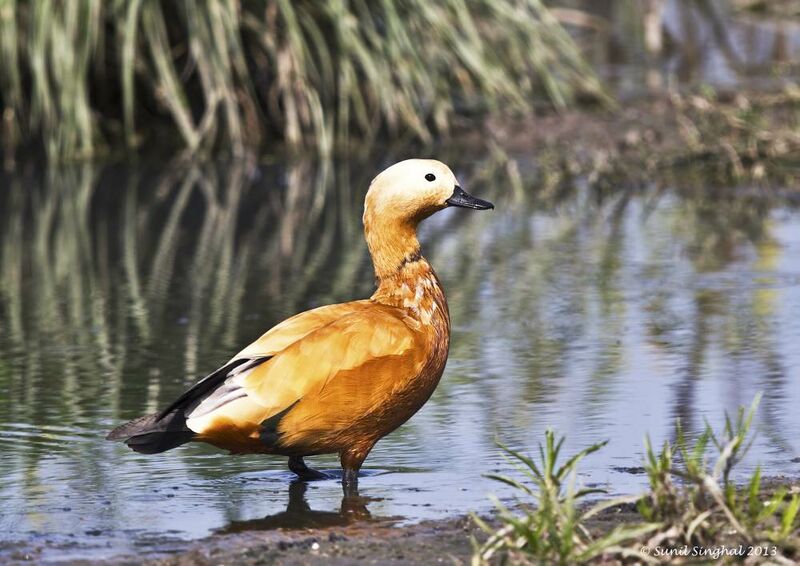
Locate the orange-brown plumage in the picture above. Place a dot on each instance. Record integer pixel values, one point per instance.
(338, 378)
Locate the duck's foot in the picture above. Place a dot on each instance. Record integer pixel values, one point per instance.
(303, 472)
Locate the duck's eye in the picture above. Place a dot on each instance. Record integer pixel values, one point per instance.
(430, 177)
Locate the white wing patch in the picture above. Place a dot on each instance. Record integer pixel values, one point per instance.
(229, 390)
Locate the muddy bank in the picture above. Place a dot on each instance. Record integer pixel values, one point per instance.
(430, 542)
(433, 542)
(734, 135)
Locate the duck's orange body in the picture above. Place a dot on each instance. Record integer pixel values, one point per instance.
(338, 378)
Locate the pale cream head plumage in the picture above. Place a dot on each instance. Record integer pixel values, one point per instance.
(398, 199)
(410, 190)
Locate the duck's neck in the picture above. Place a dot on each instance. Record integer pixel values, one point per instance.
(392, 243)
(405, 278)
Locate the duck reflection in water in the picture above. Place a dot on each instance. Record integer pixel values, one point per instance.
(300, 515)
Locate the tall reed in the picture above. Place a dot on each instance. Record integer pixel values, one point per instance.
(85, 76)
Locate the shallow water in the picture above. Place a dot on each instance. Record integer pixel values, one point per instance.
(603, 316)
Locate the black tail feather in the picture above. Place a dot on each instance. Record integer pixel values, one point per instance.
(150, 434)
(125, 431)
(158, 441)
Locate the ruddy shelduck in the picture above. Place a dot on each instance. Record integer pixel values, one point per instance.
(338, 378)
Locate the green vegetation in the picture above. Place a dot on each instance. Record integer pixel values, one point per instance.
(81, 76)
(553, 531)
(691, 504)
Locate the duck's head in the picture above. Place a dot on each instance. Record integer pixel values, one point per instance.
(399, 198)
(412, 190)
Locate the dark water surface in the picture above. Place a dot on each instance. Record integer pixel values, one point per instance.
(603, 316)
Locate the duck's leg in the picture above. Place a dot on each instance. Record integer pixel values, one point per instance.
(304, 473)
(350, 482)
(351, 460)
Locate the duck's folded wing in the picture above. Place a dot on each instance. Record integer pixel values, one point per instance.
(309, 364)
(357, 337)
(224, 381)
(282, 335)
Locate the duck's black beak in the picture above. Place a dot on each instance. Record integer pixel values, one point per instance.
(464, 200)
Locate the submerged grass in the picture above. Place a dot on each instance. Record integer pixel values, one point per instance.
(79, 76)
(692, 504)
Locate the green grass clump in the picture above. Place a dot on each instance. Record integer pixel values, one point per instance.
(81, 76)
(552, 531)
(696, 502)
(691, 504)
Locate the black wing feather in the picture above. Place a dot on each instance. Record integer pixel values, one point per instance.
(211, 382)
